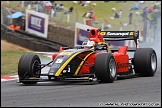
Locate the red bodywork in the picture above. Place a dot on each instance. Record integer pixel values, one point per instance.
(95, 36)
(121, 57)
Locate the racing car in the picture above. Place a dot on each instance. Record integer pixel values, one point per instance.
(93, 61)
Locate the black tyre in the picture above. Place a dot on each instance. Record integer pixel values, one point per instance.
(145, 61)
(105, 67)
(29, 66)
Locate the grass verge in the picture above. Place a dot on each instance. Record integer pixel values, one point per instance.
(10, 60)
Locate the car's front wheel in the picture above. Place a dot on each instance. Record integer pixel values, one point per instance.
(29, 66)
(105, 67)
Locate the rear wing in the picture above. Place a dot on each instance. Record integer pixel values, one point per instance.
(120, 35)
(100, 36)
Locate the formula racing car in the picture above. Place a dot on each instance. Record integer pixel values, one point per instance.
(93, 61)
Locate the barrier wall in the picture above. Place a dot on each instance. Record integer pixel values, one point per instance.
(30, 41)
(61, 34)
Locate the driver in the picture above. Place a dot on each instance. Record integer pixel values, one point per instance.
(88, 44)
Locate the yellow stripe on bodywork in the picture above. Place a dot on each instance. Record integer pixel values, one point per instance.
(64, 65)
(82, 63)
(101, 42)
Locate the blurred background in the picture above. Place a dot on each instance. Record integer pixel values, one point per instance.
(146, 15)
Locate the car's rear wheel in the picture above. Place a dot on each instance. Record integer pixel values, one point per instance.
(105, 67)
(29, 66)
(145, 61)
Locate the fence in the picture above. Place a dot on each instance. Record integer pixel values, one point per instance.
(61, 18)
(66, 19)
(4, 19)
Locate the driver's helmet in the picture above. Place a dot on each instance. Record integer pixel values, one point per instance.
(88, 43)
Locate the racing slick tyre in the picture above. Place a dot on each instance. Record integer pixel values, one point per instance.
(29, 66)
(105, 68)
(145, 61)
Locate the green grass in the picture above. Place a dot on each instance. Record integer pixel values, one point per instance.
(10, 60)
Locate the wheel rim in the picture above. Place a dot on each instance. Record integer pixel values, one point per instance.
(153, 62)
(35, 67)
(112, 67)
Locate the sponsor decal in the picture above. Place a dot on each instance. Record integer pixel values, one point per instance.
(131, 33)
(122, 65)
(102, 33)
(59, 60)
(119, 33)
(51, 73)
(36, 23)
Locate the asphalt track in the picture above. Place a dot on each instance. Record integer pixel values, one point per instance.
(141, 91)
